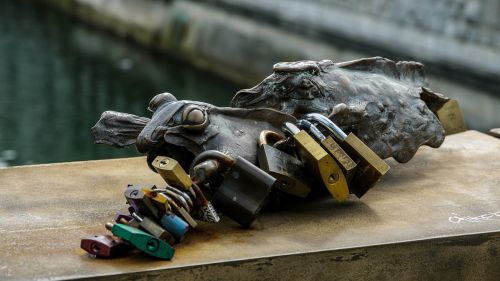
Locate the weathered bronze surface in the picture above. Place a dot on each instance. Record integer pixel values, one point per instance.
(384, 103)
(426, 219)
(184, 129)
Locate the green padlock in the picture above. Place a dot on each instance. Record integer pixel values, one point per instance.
(142, 241)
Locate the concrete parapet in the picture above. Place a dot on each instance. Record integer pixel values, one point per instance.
(436, 217)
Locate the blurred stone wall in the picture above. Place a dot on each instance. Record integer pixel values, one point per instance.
(456, 37)
(458, 41)
(474, 21)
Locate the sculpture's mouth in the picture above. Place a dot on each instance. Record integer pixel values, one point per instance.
(162, 148)
(149, 139)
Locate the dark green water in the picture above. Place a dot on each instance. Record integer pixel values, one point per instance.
(57, 76)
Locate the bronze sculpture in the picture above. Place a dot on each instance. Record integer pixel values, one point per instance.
(183, 129)
(385, 103)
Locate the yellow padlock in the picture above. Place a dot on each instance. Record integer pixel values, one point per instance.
(319, 162)
(370, 166)
(172, 172)
(451, 117)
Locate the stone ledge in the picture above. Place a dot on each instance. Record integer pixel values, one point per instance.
(437, 216)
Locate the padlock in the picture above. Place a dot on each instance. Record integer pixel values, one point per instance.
(180, 200)
(139, 202)
(370, 166)
(319, 162)
(243, 191)
(122, 218)
(169, 203)
(451, 117)
(104, 246)
(345, 162)
(154, 229)
(160, 202)
(172, 172)
(143, 241)
(288, 170)
(175, 225)
(126, 219)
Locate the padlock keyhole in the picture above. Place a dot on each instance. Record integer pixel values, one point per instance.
(95, 248)
(152, 245)
(333, 178)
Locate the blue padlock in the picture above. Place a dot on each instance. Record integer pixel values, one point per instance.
(175, 225)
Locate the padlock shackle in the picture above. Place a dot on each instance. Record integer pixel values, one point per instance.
(137, 217)
(265, 135)
(210, 155)
(310, 128)
(328, 124)
(290, 129)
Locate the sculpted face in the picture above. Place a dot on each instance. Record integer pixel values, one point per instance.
(383, 102)
(294, 88)
(183, 129)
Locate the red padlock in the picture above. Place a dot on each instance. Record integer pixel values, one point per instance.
(104, 246)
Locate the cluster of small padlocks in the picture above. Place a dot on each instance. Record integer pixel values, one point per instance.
(160, 217)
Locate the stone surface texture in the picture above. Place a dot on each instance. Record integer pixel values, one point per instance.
(436, 217)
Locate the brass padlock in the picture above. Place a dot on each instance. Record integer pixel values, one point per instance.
(319, 162)
(288, 170)
(345, 162)
(370, 167)
(243, 191)
(451, 117)
(172, 172)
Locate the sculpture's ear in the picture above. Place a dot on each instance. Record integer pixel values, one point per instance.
(160, 100)
(118, 129)
(247, 97)
(434, 101)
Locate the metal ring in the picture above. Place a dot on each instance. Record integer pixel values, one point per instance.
(211, 154)
(170, 201)
(179, 200)
(290, 129)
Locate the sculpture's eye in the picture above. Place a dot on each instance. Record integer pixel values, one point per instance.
(305, 84)
(194, 117)
(160, 99)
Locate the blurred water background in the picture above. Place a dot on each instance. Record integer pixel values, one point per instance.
(58, 73)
